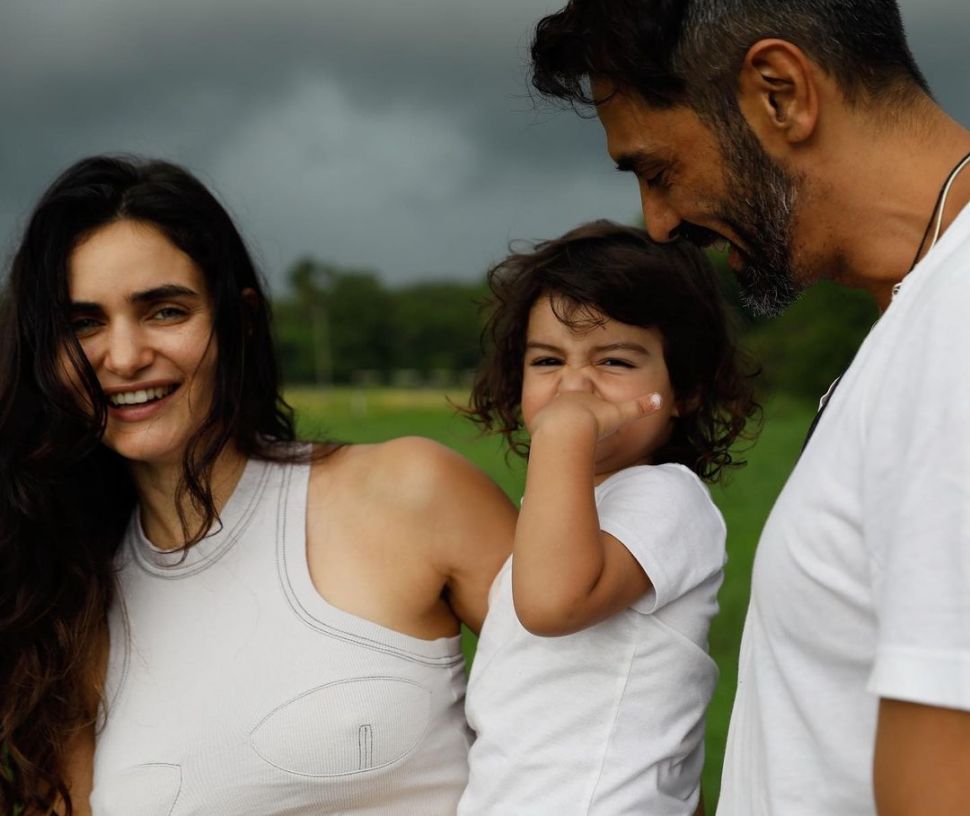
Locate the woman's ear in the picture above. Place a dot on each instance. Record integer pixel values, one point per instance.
(778, 93)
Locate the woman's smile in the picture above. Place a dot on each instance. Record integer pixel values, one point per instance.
(139, 402)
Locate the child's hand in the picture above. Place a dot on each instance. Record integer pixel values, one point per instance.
(578, 412)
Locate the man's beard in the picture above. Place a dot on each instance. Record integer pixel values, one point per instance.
(760, 212)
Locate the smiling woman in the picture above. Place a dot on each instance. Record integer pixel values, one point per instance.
(199, 614)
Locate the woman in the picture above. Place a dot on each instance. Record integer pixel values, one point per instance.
(237, 622)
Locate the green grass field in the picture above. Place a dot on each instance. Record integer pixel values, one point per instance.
(376, 415)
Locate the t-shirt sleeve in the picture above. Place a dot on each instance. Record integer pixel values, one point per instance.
(665, 517)
(917, 502)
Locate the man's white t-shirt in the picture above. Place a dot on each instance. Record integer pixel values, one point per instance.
(609, 720)
(861, 585)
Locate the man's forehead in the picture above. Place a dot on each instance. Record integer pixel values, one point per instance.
(636, 129)
(628, 127)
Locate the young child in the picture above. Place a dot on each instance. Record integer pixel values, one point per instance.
(613, 353)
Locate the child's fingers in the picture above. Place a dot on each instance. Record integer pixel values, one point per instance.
(641, 406)
(634, 409)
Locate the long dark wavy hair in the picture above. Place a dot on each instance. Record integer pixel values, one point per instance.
(604, 270)
(65, 499)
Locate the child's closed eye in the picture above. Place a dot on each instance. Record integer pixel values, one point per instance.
(545, 361)
(616, 362)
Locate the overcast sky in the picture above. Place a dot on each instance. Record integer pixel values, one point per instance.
(391, 134)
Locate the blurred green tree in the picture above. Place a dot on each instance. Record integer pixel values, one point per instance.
(339, 321)
(437, 326)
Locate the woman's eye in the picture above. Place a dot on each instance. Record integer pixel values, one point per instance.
(168, 313)
(544, 361)
(83, 326)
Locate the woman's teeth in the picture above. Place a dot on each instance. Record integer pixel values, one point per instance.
(141, 396)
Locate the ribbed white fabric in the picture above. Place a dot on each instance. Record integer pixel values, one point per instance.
(235, 688)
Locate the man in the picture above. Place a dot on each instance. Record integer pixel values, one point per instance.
(803, 134)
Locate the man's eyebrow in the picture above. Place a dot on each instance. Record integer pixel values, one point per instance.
(637, 161)
(163, 292)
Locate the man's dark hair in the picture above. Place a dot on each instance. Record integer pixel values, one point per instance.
(604, 270)
(674, 52)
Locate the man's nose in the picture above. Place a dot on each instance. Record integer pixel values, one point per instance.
(659, 218)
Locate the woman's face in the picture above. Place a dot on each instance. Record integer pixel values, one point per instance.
(141, 312)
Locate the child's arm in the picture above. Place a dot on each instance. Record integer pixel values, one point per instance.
(566, 573)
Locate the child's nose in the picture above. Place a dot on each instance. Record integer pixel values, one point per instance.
(576, 378)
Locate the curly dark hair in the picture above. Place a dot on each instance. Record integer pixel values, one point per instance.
(690, 51)
(605, 270)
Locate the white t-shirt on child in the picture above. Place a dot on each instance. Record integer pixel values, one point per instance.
(609, 720)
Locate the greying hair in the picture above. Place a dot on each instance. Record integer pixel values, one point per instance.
(690, 51)
(861, 44)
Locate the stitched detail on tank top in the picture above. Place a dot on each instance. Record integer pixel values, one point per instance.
(309, 619)
(365, 746)
(150, 765)
(178, 792)
(178, 571)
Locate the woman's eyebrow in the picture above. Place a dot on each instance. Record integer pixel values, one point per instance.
(163, 292)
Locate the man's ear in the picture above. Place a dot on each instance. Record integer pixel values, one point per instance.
(778, 93)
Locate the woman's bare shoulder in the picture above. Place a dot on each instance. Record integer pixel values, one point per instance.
(406, 471)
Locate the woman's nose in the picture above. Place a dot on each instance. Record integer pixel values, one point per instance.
(127, 352)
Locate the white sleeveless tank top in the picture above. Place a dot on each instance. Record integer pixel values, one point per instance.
(235, 688)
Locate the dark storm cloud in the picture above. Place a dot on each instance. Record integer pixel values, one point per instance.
(331, 106)
(372, 132)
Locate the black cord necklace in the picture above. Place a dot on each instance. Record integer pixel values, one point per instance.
(936, 216)
(938, 206)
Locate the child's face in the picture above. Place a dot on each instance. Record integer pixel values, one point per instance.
(615, 362)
